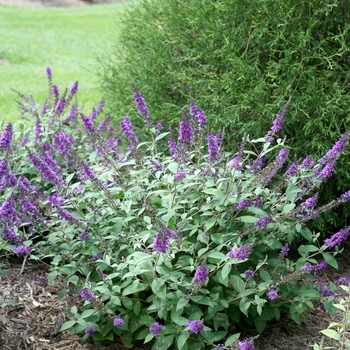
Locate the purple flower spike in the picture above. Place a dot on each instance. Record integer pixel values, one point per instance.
(126, 127)
(118, 322)
(193, 109)
(248, 274)
(272, 294)
(90, 330)
(172, 146)
(8, 210)
(338, 238)
(162, 240)
(74, 89)
(213, 146)
(55, 91)
(6, 137)
(284, 251)
(185, 132)
(247, 344)
(200, 276)
(84, 235)
(307, 163)
(88, 124)
(10, 236)
(263, 222)
(241, 253)
(155, 328)
(104, 123)
(87, 294)
(310, 202)
(48, 72)
(345, 197)
(142, 107)
(195, 326)
(22, 250)
(179, 176)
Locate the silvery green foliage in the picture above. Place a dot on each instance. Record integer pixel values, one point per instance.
(178, 246)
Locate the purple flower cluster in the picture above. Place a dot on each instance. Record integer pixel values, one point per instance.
(284, 251)
(118, 322)
(241, 253)
(310, 202)
(162, 239)
(10, 236)
(155, 328)
(62, 142)
(74, 88)
(87, 294)
(248, 274)
(236, 162)
(338, 238)
(196, 326)
(185, 130)
(263, 222)
(244, 203)
(8, 210)
(44, 169)
(179, 176)
(345, 197)
(277, 124)
(84, 235)
(200, 276)
(322, 287)
(126, 127)
(88, 124)
(142, 107)
(22, 250)
(90, 330)
(272, 294)
(6, 137)
(307, 162)
(104, 123)
(247, 344)
(213, 146)
(159, 127)
(292, 170)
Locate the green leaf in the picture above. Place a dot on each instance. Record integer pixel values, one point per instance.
(237, 283)
(199, 299)
(226, 270)
(244, 305)
(230, 340)
(265, 275)
(331, 333)
(181, 303)
(287, 208)
(291, 192)
(209, 224)
(52, 276)
(173, 167)
(217, 256)
(159, 288)
(67, 325)
(135, 287)
(247, 219)
(305, 249)
(148, 338)
(181, 340)
(88, 313)
(330, 259)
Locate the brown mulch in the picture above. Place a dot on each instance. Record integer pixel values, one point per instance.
(34, 321)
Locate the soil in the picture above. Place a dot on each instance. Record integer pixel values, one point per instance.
(34, 320)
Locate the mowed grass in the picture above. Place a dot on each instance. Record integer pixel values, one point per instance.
(65, 39)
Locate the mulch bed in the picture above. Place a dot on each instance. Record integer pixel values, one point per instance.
(33, 323)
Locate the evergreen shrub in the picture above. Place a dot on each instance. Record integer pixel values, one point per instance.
(239, 60)
(185, 247)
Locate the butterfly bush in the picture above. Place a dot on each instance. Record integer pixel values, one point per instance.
(170, 237)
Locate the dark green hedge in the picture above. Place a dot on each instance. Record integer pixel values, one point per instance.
(240, 61)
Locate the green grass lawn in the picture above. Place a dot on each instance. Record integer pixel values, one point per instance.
(65, 39)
